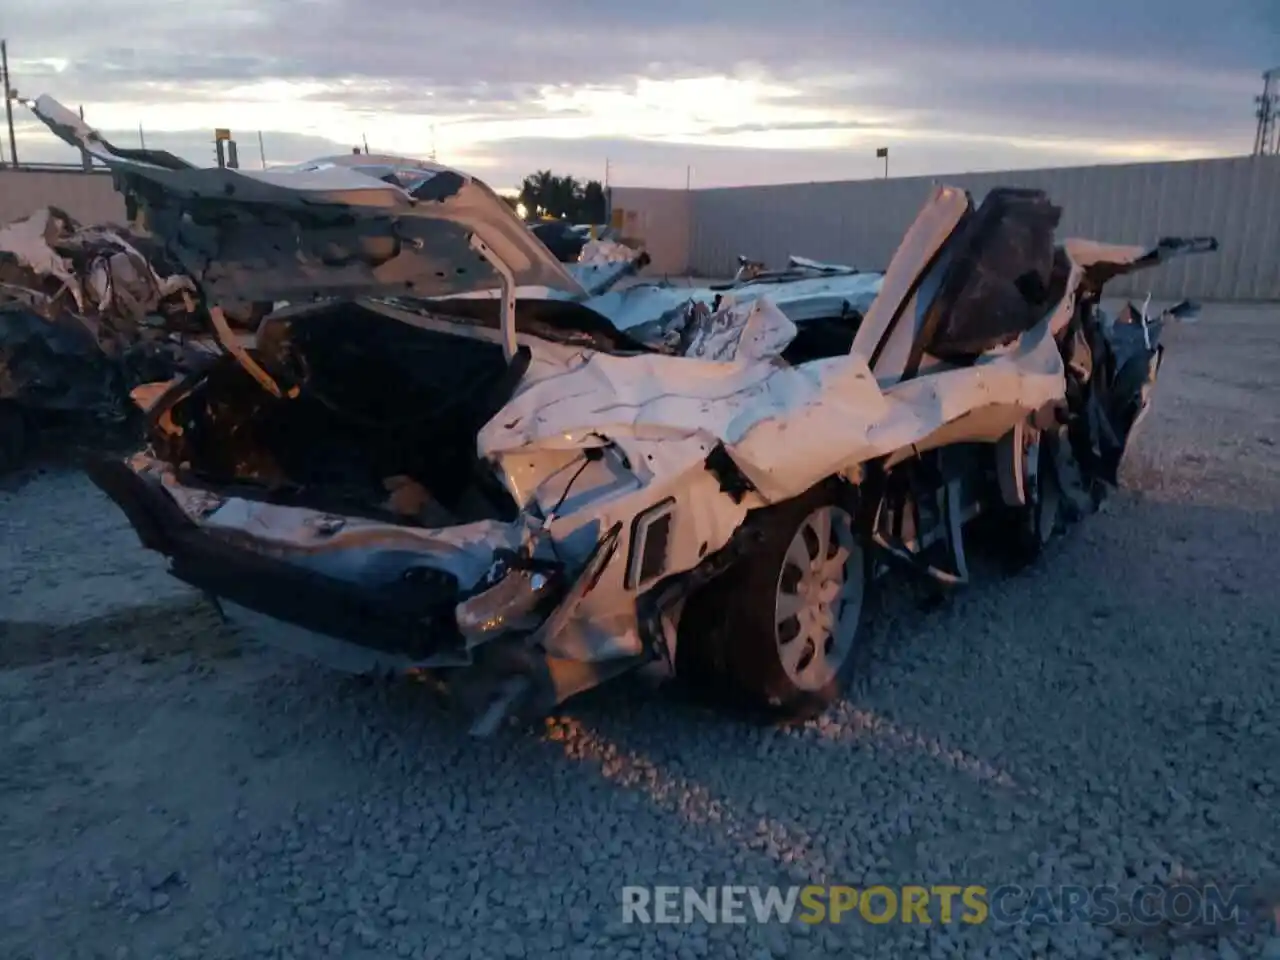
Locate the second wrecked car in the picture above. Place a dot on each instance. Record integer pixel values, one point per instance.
(530, 499)
(86, 314)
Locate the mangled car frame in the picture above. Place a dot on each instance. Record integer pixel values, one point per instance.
(86, 313)
(530, 492)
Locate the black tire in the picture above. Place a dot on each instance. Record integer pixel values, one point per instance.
(13, 437)
(731, 643)
(1042, 517)
(1020, 534)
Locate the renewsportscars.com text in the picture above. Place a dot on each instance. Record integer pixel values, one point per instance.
(939, 903)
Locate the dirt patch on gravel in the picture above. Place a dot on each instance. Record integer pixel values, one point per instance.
(182, 625)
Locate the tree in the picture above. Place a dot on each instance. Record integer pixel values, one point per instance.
(595, 207)
(543, 193)
(565, 194)
(535, 191)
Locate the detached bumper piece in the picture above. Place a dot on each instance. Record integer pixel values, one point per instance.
(407, 611)
(533, 682)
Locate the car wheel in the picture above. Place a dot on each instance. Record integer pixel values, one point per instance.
(13, 437)
(781, 632)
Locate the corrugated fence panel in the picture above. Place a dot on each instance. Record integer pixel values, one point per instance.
(861, 222)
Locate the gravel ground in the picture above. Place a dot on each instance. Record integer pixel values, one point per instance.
(170, 789)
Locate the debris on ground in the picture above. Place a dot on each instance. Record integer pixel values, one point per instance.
(606, 251)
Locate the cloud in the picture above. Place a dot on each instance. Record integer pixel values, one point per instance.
(748, 89)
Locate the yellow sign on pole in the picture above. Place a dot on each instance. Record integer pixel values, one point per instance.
(221, 134)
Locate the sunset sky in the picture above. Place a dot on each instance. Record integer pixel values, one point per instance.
(742, 92)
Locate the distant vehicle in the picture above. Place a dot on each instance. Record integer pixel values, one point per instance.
(563, 239)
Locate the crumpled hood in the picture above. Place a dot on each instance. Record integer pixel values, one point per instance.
(785, 426)
(348, 226)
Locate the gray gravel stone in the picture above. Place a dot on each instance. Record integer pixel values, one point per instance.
(1104, 716)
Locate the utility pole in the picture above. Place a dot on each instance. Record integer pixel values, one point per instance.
(688, 177)
(262, 151)
(9, 94)
(142, 141)
(365, 140)
(606, 173)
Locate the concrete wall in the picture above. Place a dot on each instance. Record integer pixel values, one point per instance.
(89, 197)
(860, 222)
(660, 219)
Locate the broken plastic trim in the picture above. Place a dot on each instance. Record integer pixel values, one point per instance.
(949, 530)
(650, 533)
(508, 316)
(517, 688)
(510, 597)
(662, 597)
(508, 605)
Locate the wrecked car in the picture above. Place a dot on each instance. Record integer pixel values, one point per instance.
(86, 314)
(519, 495)
(826, 301)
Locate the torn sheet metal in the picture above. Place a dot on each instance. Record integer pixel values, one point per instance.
(909, 285)
(603, 266)
(353, 225)
(654, 313)
(85, 315)
(101, 269)
(600, 252)
(808, 298)
(785, 427)
(797, 268)
(795, 263)
(1093, 264)
(740, 332)
(650, 312)
(28, 244)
